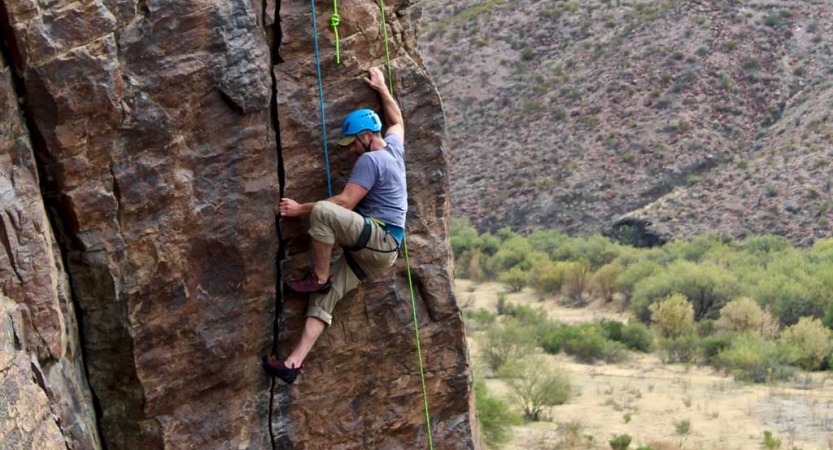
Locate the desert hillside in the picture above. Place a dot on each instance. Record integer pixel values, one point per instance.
(698, 116)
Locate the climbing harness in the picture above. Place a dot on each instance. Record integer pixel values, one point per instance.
(321, 102)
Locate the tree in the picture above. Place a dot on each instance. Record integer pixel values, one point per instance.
(706, 285)
(744, 314)
(535, 385)
(515, 279)
(673, 320)
(509, 341)
(494, 416)
(673, 317)
(809, 343)
(604, 280)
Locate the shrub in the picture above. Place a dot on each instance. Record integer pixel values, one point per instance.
(707, 286)
(743, 315)
(585, 342)
(596, 250)
(513, 252)
(713, 346)
(548, 278)
(808, 343)
(637, 337)
(752, 358)
(680, 348)
(673, 317)
(494, 416)
(535, 384)
(612, 329)
(770, 442)
(790, 291)
(614, 352)
(633, 274)
(576, 278)
(620, 442)
(479, 319)
(604, 280)
(510, 341)
(547, 241)
(525, 315)
(515, 279)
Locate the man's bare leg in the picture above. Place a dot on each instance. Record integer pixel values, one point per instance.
(321, 253)
(313, 327)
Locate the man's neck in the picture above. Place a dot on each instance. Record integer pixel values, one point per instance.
(377, 143)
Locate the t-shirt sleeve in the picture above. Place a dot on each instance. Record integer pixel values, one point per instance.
(364, 172)
(395, 144)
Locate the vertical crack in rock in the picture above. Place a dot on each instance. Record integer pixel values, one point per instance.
(50, 199)
(272, 28)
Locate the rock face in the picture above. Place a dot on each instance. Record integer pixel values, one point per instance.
(32, 275)
(24, 407)
(164, 134)
(368, 356)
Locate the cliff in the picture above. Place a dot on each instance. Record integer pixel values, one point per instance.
(144, 147)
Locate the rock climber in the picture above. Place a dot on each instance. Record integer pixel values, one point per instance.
(367, 219)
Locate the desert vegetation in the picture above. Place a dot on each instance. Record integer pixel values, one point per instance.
(756, 311)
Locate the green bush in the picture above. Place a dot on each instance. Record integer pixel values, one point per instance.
(753, 358)
(612, 329)
(808, 343)
(620, 442)
(744, 314)
(479, 319)
(633, 274)
(525, 315)
(494, 416)
(548, 278)
(713, 346)
(707, 286)
(535, 384)
(604, 280)
(515, 279)
(576, 279)
(679, 348)
(614, 352)
(584, 342)
(638, 337)
(508, 342)
(672, 317)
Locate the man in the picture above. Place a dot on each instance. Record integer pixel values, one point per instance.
(370, 236)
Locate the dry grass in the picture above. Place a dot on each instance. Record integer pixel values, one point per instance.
(722, 413)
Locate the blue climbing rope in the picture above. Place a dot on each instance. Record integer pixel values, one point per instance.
(321, 102)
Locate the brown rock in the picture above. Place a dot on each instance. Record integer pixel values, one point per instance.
(32, 275)
(25, 417)
(360, 387)
(154, 133)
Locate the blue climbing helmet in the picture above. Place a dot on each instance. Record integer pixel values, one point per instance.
(357, 122)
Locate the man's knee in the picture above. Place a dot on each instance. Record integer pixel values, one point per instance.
(320, 211)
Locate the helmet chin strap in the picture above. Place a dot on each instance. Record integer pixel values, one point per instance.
(365, 146)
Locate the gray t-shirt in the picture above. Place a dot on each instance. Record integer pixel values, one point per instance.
(382, 173)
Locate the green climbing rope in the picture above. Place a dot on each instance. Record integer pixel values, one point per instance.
(419, 348)
(387, 51)
(407, 261)
(334, 20)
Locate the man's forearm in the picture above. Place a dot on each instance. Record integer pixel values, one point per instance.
(393, 115)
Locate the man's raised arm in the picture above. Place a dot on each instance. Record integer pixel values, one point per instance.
(393, 116)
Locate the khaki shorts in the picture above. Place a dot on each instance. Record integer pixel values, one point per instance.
(334, 225)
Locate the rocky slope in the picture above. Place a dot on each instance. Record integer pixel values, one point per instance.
(696, 116)
(139, 184)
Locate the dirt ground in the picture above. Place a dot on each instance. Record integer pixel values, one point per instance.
(723, 414)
